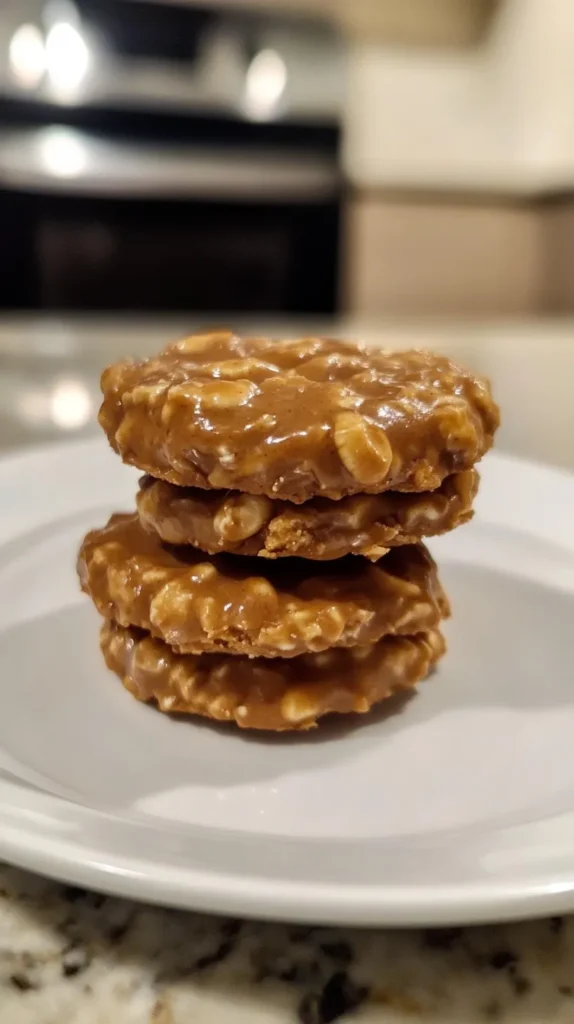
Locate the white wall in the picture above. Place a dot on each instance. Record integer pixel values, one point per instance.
(496, 116)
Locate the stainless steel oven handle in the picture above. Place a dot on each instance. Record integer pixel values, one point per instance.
(67, 161)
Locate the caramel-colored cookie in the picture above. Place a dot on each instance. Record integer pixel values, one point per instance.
(198, 602)
(296, 420)
(263, 693)
(252, 524)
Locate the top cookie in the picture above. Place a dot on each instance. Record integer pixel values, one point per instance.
(296, 419)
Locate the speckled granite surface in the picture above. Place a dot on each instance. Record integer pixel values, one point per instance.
(72, 957)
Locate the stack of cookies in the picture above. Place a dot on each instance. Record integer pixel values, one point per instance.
(274, 571)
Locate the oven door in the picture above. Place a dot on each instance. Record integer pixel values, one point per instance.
(90, 224)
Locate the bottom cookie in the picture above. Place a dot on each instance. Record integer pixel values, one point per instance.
(274, 694)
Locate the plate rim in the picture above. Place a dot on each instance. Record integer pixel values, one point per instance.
(336, 905)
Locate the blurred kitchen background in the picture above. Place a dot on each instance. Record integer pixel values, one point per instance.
(313, 156)
(158, 156)
(304, 164)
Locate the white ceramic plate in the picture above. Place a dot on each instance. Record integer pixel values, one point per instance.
(458, 807)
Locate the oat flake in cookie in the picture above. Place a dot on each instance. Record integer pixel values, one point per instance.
(252, 524)
(296, 419)
(276, 694)
(197, 602)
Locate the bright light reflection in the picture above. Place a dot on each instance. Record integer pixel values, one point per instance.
(70, 404)
(26, 55)
(67, 57)
(62, 153)
(265, 84)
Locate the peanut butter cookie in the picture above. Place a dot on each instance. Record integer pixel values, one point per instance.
(252, 524)
(196, 602)
(295, 420)
(268, 694)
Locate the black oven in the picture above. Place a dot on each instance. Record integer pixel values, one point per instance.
(117, 197)
(200, 248)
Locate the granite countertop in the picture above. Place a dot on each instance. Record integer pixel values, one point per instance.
(72, 957)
